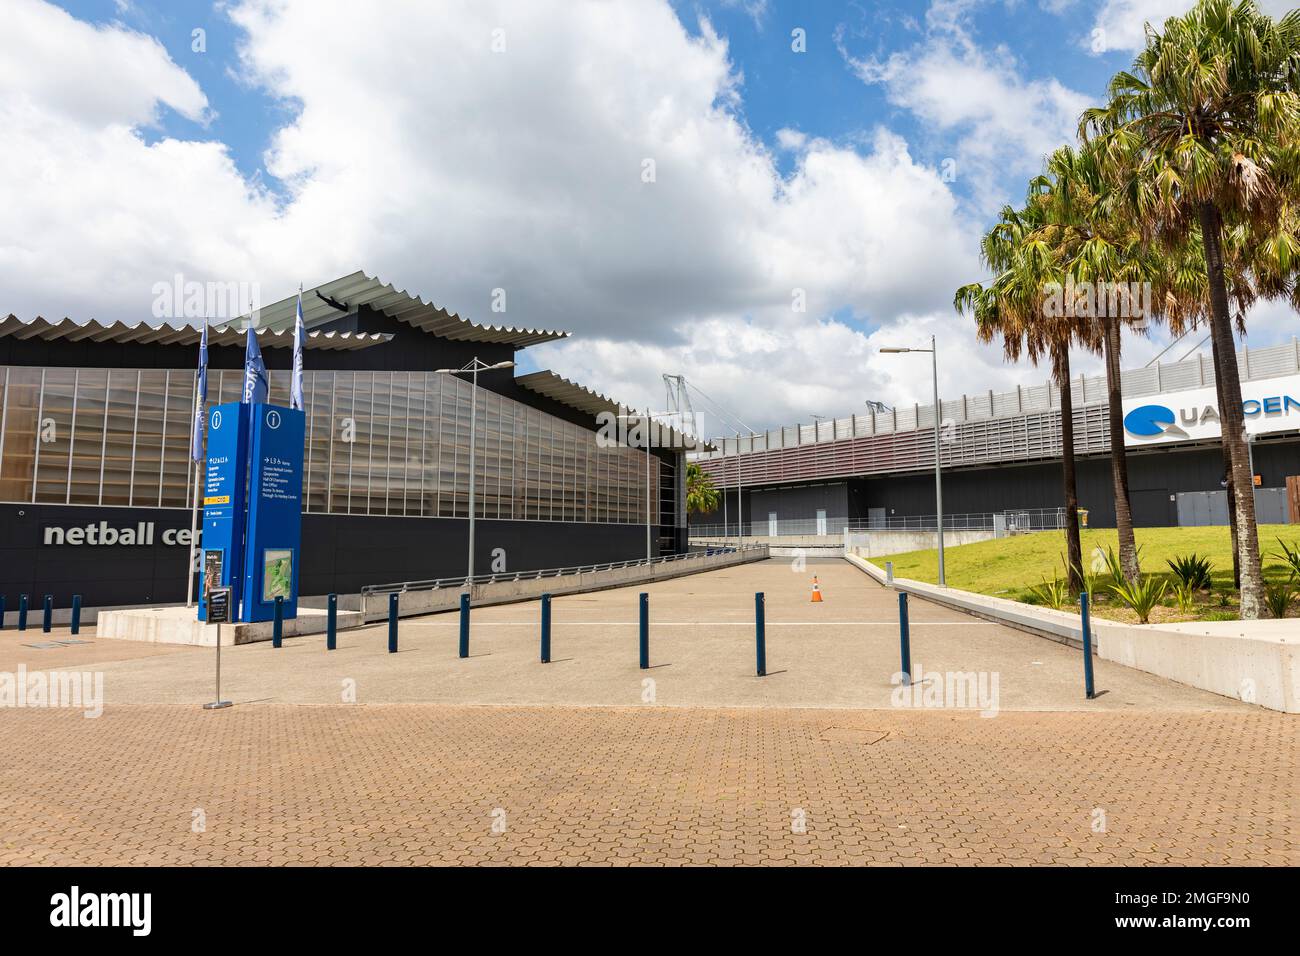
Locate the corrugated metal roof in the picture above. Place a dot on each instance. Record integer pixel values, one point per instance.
(166, 334)
(360, 289)
(570, 393)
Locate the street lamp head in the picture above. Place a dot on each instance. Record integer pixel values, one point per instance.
(893, 351)
(506, 364)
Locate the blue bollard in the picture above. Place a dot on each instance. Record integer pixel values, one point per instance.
(332, 623)
(277, 623)
(546, 628)
(645, 630)
(47, 613)
(760, 633)
(464, 624)
(76, 614)
(1087, 645)
(22, 612)
(905, 636)
(2, 612)
(392, 623)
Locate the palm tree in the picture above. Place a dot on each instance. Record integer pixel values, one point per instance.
(1010, 308)
(1201, 133)
(701, 496)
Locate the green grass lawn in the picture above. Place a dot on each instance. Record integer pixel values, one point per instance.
(1012, 567)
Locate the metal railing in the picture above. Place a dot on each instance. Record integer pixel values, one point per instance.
(1023, 519)
(461, 581)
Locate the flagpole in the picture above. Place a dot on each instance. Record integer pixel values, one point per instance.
(194, 511)
(194, 504)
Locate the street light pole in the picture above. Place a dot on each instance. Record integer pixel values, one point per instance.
(473, 367)
(938, 459)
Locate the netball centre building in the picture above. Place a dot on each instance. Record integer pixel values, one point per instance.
(96, 480)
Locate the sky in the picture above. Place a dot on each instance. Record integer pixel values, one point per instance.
(756, 194)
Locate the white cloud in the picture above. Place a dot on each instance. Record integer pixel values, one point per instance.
(1121, 24)
(1000, 121)
(452, 170)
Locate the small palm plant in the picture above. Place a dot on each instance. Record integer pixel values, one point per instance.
(1192, 570)
(1279, 595)
(1141, 595)
(1184, 597)
(1054, 593)
(1290, 555)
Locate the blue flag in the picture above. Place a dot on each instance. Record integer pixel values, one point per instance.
(256, 384)
(299, 334)
(200, 401)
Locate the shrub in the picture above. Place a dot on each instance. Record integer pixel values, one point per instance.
(1290, 556)
(1278, 595)
(1054, 593)
(1141, 595)
(1184, 597)
(1192, 570)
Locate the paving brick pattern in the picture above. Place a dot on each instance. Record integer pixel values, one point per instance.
(410, 784)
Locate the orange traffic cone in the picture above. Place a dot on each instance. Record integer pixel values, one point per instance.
(817, 591)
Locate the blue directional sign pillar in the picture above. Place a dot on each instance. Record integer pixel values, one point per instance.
(272, 552)
(223, 503)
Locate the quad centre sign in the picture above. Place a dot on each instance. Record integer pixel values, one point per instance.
(1268, 405)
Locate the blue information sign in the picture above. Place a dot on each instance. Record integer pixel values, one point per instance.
(223, 503)
(272, 553)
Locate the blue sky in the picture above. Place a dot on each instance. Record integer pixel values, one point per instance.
(816, 93)
(801, 208)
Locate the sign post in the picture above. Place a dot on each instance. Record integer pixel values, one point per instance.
(223, 505)
(272, 549)
(218, 613)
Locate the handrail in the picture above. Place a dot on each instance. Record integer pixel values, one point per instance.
(460, 581)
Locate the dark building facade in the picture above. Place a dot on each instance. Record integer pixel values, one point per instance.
(96, 481)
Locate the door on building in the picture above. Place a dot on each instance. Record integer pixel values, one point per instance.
(821, 520)
(876, 518)
(771, 524)
(1153, 508)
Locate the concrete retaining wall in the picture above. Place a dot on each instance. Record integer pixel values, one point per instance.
(1254, 661)
(374, 607)
(871, 544)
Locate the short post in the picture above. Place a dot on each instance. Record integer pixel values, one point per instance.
(760, 633)
(277, 622)
(546, 628)
(22, 612)
(76, 614)
(905, 637)
(464, 624)
(2, 612)
(645, 630)
(332, 623)
(1087, 645)
(47, 613)
(392, 623)
(889, 573)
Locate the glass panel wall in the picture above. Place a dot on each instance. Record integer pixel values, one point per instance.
(380, 443)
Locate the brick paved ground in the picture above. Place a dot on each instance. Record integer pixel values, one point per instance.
(415, 784)
(715, 770)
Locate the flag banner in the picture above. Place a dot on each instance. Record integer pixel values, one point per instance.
(256, 383)
(299, 334)
(200, 400)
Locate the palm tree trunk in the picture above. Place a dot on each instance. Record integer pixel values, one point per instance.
(1128, 557)
(1229, 487)
(1231, 418)
(1073, 546)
